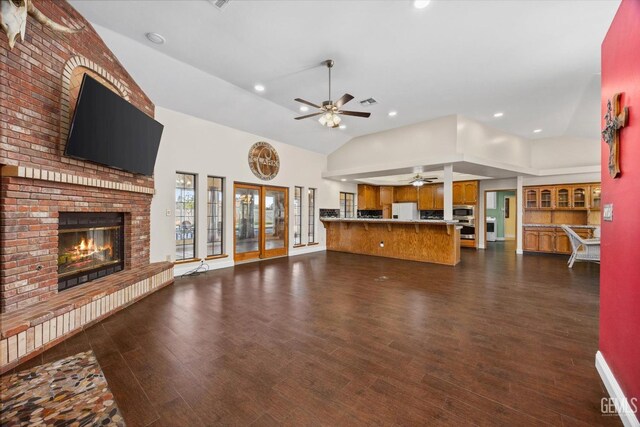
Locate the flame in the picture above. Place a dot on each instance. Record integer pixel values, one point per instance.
(87, 247)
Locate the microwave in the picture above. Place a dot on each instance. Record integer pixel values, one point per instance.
(464, 211)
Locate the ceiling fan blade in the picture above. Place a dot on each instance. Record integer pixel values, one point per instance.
(307, 102)
(345, 98)
(354, 113)
(308, 115)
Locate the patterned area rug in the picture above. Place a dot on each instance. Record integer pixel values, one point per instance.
(69, 392)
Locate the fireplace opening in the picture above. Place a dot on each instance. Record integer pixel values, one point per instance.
(90, 246)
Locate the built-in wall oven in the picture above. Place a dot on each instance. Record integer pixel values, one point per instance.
(465, 214)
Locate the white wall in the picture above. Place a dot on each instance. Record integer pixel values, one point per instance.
(193, 145)
(484, 142)
(553, 153)
(431, 141)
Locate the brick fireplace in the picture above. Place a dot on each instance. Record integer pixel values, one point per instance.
(42, 298)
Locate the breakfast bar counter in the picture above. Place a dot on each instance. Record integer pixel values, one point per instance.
(435, 241)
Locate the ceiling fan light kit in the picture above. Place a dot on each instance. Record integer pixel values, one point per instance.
(329, 111)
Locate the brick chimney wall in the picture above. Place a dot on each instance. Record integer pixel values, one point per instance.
(37, 180)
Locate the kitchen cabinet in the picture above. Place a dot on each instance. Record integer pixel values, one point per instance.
(551, 239)
(595, 198)
(368, 197)
(465, 193)
(532, 198)
(579, 197)
(431, 197)
(546, 241)
(547, 199)
(563, 197)
(530, 240)
(458, 193)
(386, 195)
(405, 193)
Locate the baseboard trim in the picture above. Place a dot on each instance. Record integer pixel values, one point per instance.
(307, 250)
(614, 390)
(519, 252)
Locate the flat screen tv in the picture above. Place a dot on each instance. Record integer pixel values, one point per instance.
(106, 129)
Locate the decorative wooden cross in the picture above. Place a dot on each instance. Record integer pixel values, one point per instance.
(614, 120)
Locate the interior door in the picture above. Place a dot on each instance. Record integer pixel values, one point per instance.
(275, 227)
(509, 218)
(247, 220)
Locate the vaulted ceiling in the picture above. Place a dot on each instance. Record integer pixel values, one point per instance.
(538, 62)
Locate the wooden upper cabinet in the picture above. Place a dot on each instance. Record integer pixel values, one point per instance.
(458, 193)
(580, 197)
(386, 195)
(595, 198)
(438, 200)
(405, 193)
(547, 198)
(426, 197)
(431, 197)
(465, 193)
(470, 192)
(368, 197)
(563, 197)
(532, 198)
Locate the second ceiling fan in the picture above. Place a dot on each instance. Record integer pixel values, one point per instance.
(329, 111)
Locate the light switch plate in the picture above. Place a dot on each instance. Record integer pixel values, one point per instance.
(168, 213)
(607, 212)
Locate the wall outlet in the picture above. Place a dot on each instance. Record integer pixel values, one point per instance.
(169, 258)
(607, 212)
(168, 213)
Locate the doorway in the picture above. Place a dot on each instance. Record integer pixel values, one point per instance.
(261, 221)
(500, 216)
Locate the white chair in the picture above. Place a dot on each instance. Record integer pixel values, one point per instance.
(583, 249)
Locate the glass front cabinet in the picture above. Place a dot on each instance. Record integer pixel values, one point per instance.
(531, 198)
(595, 197)
(563, 198)
(546, 198)
(579, 197)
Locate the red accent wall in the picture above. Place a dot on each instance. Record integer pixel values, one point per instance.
(620, 258)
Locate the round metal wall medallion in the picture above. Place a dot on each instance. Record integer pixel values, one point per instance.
(264, 161)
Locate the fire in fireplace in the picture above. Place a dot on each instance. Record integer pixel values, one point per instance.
(90, 245)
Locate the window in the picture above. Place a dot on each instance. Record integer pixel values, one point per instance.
(215, 220)
(312, 215)
(347, 204)
(297, 216)
(185, 216)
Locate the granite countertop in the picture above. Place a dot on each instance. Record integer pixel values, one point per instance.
(558, 226)
(394, 221)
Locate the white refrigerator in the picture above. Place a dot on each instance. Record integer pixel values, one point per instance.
(405, 211)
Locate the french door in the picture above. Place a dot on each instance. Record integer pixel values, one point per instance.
(261, 221)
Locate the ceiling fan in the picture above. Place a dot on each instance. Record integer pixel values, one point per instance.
(418, 181)
(329, 111)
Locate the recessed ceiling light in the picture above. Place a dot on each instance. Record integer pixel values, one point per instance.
(155, 38)
(421, 4)
(343, 179)
(393, 113)
(498, 115)
(343, 126)
(259, 88)
(537, 130)
(304, 108)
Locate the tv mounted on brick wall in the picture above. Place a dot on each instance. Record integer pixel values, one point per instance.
(107, 129)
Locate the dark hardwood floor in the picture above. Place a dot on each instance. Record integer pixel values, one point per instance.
(340, 339)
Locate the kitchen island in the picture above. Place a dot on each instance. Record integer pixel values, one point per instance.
(435, 241)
